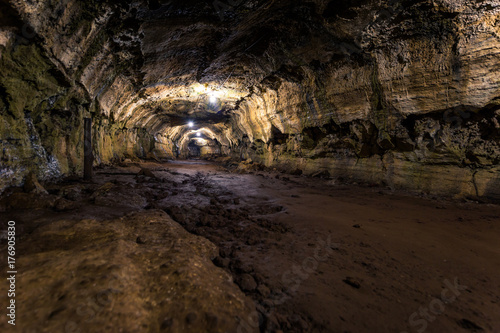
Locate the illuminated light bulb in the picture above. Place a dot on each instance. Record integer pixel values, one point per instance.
(213, 99)
(198, 134)
(190, 124)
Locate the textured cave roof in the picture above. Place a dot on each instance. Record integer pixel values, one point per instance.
(237, 51)
(154, 64)
(165, 49)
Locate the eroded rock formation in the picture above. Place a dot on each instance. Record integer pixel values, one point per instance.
(140, 273)
(403, 93)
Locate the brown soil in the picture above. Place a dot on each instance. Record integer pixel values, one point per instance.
(314, 255)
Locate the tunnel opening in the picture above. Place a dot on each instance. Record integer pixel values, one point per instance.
(203, 147)
(194, 149)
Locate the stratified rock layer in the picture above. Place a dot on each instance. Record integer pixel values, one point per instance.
(403, 93)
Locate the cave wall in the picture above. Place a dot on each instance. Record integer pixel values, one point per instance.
(41, 115)
(401, 93)
(414, 103)
(43, 102)
(41, 120)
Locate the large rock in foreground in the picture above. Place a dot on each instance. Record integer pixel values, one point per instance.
(139, 273)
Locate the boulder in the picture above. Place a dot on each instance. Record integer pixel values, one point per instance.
(93, 276)
(31, 185)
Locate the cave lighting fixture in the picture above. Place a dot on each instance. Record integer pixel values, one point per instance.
(198, 134)
(190, 124)
(212, 99)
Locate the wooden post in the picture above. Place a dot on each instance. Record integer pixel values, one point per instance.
(88, 158)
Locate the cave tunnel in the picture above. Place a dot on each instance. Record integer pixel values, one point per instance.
(194, 148)
(250, 166)
(201, 147)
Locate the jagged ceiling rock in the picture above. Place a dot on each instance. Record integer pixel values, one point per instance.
(334, 79)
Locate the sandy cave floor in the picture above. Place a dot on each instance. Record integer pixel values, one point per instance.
(313, 255)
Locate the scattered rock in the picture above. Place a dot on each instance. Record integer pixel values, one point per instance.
(352, 282)
(212, 321)
(241, 267)
(111, 195)
(146, 172)
(222, 262)
(469, 325)
(103, 189)
(191, 318)
(224, 159)
(272, 324)
(296, 172)
(283, 320)
(224, 252)
(167, 323)
(247, 282)
(321, 174)
(73, 192)
(31, 185)
(356, 226)
(62, 205)
(299, 322)
(121, 199)
(264, 290)
(23, 201)
(177, 213)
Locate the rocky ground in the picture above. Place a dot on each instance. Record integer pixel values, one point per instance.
(137, 250)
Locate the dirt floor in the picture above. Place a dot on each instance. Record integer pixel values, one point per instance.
(313, 254)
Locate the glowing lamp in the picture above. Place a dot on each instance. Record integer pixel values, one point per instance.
(213, 99)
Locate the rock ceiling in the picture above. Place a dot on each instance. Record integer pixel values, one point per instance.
(272, 71)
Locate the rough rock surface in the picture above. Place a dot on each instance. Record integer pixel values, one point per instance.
(307, 244)
(32, 185)
(139, 273)
(404, 93)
